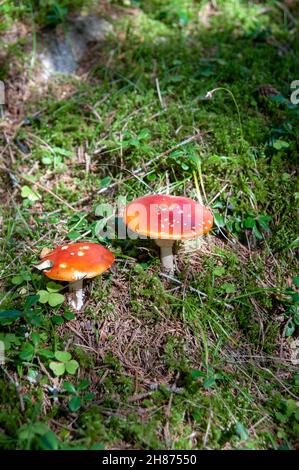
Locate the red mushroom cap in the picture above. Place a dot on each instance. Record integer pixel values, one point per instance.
(168, 217)
(78, 261)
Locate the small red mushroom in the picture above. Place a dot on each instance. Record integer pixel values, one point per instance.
(73, 263)
(166, 219)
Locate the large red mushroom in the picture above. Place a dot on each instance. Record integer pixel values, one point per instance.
(167, 219)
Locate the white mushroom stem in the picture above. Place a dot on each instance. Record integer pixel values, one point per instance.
(77, 296)
(166, 255)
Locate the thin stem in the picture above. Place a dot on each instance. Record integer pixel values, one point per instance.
(76, 297)
(166, 255)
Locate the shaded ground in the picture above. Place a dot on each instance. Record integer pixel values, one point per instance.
(210, 359)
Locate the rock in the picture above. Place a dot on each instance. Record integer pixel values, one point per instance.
(93, 29)
(61, 50)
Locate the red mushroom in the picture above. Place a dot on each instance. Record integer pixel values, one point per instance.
(73, 263)
(166, 219)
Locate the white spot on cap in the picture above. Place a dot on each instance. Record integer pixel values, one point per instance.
(206, 228)
(72, 253)
(209, 221)
(64, 247)
(85, 247)
(63, 265)
(81, 253)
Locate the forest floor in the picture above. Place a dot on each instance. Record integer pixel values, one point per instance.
(208, 360)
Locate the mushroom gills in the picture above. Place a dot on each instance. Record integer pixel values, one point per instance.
(47, 264)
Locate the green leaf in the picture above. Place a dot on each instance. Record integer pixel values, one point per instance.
(47, 160)
(152, 177)
(249, 222)
(263, 222)
(257, 233)
(49, 441)
(281, 144)
(219, 271)
(46, 353)
(105, 181)
(35, 337)
(296, 281)
(75, 403)
(281, 417)
(55, 299)
(290, 329)
(209, 382)
(43, 296)
(63, 152)
(58, 368)
(54, 287)
(27, 352)
(83, 384)
(69, 387)
(296, 318)
(242, 431)
(219, 219)
(10, 314)
(27, 193)
(62, 356)
(74, 235)
(98, 446)
(28, 431)
(229, 288)
(30, 301)
(197, 373)
(17, 280)
(89, 396)
(71, 366)
(57, 320)
(69, 315)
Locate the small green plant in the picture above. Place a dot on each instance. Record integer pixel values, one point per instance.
(292, 310)
(37, 436)
(209, 377)
(31, 313)
(78, 393)
(137, 141)
(54, 158)
(64, 364)
(287, 415)
(21, 277)
(236, 223)
(51, 295)
(56, 14)
(28, 194)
